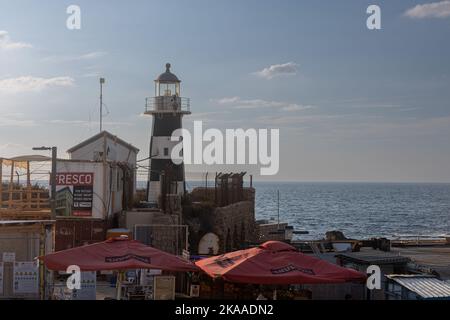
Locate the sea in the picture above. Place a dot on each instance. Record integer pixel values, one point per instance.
(359, 210)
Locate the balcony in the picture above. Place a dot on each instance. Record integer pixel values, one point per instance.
(167, 105)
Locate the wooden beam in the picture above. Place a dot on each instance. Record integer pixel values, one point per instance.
(1, 183)
(11, 185)
(28, 205)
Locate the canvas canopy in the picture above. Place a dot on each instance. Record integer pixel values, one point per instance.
(276, 262)
(22, 161)
(116, 254)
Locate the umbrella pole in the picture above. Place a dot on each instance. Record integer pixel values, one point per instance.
(118, 285)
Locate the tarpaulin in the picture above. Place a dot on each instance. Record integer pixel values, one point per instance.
(276, 262)
(116, 254)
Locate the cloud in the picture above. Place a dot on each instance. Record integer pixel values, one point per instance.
(15, 120)
(276, 70)
(238, 103)
(11, 146)
(91, 75)
(7, 44)
(86, 123)
(91, 55)
(295, 120)
(81, 57)
(430, 10)
(33, 84)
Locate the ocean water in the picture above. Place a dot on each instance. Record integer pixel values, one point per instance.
(360, 210)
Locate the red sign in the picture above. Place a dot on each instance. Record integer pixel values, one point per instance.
(74, 179)
(74, 193)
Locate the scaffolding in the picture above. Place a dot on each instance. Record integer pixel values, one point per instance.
(21, 199)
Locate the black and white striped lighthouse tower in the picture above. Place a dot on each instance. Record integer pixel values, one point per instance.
(167, 108)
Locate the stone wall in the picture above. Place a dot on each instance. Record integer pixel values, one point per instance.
(233, 224)
(213, 195)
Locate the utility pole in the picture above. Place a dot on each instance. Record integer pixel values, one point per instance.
(102, 81)
(54, 151)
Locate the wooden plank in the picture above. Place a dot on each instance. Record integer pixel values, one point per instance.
(28, 185)
(11, 187)
(1, 182)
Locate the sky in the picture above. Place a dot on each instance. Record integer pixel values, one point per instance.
(351, 104)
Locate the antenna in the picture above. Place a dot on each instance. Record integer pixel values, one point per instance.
(102, 81)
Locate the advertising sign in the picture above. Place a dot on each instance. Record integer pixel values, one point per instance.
(74, 193)
(26, 278)
(147, 276)
(9, 256)
(88, 287)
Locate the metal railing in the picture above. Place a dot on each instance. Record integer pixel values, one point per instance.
(168, 104)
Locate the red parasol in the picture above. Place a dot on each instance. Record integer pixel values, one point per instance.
(116, 254)
(276, 262)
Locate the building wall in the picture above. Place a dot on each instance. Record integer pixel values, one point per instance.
(341, 291)
(128, 219)
(208, 194)
(25, 242)
(108, 193)
(71, 233)
(118, 153)
(157, 229)
(233, 224)
(99, 207)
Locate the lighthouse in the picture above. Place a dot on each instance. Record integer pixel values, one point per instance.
(167, 108)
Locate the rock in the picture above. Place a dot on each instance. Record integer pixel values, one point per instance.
(335, 235)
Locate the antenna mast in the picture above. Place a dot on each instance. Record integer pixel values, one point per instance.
(102, 81)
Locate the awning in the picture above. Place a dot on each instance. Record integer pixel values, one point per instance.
(276, 262)
(21, 161)
(116, 254)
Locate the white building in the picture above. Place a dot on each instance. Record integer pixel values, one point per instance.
(99, 179)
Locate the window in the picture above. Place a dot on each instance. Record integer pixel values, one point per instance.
(166, 152)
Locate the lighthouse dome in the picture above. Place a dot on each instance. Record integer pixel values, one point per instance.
(167, 77)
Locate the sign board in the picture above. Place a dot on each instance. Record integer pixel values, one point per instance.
(26, 278)
(88, 287)
(74, 193)
(1, 278)
(186, 255)
(164, 288)
(195, 291)
(147, 276)
(9, 257)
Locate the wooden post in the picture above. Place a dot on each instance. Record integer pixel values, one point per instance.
(11, 186)
(38, 199)
(28, 205)
(1, 182)
(41, 263)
